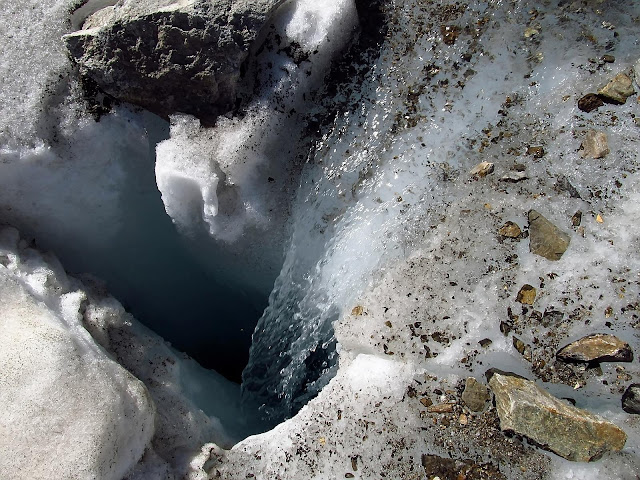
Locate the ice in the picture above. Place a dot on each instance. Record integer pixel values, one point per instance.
(67, 399)
(236, 181)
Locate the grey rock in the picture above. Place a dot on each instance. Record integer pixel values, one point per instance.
(170, 55)
(631, 399)
(545, 239)
(572, 433)
(475, 395)
(596, 348)
(617, 89)
(513, 177)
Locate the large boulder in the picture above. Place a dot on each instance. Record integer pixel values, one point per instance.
(170, 55)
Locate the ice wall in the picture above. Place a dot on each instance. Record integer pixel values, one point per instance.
(235, 182)
(385, 166)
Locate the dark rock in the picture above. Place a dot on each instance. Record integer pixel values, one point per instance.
(485, 342)
(608, 58)
(576, 220)
(536, 151)
(631, 399)
(170, 56)
(545, 239)
(590, 102)
(475, 395)
(564, 185)
(596, 348)
(572, 433)
(449, 468)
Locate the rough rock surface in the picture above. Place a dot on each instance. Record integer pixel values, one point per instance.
(594, 145)
(631, 399)
(597, 347)
(617, 89)
(475, 395)
(170, 56)
(573, 433)
(526, 294)
(511, 230)
(546, 239)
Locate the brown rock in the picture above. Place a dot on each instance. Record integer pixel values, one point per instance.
(449, 468)
(545, 239)
(573, 433)
(618, 89)
(511, 230)
(594, 145)
(590, 102)
(536, 151)
(441, 408)
(475, 395)
(596, 348)
(526, 295)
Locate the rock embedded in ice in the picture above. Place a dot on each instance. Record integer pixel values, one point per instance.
(594, 145)
(68, 410)
(475, 395)
(590, 102)
(572, 433)
(596, 348)
(170, 56)
(510, 230)
(482, 169)
(545, 239)
(526, 294)
(631, 399)
(513, 177)
(617, 89)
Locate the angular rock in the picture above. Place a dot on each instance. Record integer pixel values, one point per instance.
(596, 348)
(590, 102)
(526, 294)
(617, 89)
(482, 169)
(536, 151)
(631, 399)
(594, 145)
(513, 177)
(572, 433)
(170, 55)
(475, 395)
(511, 230)
(545, 239)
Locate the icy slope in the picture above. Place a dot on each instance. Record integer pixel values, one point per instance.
(396, 247)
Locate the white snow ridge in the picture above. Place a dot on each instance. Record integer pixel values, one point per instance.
(353, 265)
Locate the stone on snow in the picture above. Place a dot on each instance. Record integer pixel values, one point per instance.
(631, 399)
(545, 239)
(617, 89)
(573, 433)
(597, 348)
(594, 145)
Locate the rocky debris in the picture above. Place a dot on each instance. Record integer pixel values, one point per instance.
(448, 468)
(608, 58)
(536, 151)
(596, 348)
(617, 89)
(475, 395)
(573, 433)
(510, 230)
(482, 169)
(513, 177)
(170, 56)
(545, 239)
(576, 220)
(631, 399)
(564, 185)
(590, 102)
(526, 295)
(441, 408)
(594, 145)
